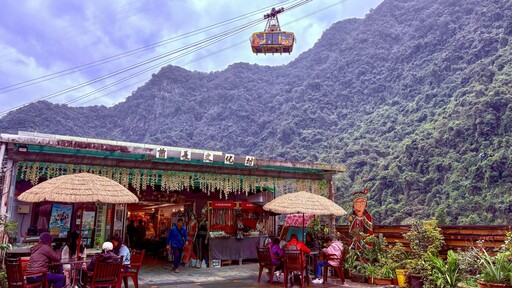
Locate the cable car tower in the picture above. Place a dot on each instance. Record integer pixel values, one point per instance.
(272, 40)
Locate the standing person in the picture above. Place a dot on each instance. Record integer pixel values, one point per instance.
(41, 255)
(202, 239)
(176, 240)
(73, 249)
(333, 247)
(141, 235)
(131, 232)
(121, 250)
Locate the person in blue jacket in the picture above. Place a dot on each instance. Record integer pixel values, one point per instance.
(177, 239)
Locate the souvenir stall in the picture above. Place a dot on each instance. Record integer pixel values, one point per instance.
(235, 229)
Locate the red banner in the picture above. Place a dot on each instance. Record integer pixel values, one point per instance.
(223, 205)
(249, 206)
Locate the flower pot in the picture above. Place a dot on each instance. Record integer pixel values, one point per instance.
(414, 281)
(401, 276)
(346, 273)
(483, 284)
(358, 278)
(382, 281)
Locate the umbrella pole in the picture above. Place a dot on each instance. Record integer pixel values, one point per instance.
(303, 237)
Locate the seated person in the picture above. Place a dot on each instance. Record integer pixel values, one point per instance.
(276, 253)
(311, 242)
(41, 256)
(120, 249)
(333, 247)
(295, 244)
(73, 249)
(106, 255)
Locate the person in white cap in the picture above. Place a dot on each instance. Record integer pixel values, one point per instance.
(106, 255)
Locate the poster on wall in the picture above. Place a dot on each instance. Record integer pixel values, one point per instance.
(60, 219)
(88, 227)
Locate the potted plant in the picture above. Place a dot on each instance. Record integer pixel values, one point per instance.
(385, 275)
(495, 271)
(370, 272)
(445, 274)
(425, 238)
(98, 241)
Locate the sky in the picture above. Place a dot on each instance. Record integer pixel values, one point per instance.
(42, 38)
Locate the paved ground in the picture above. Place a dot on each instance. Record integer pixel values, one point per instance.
(158, 274)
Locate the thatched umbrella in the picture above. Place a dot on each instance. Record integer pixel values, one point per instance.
(79, 188)
(304, 203)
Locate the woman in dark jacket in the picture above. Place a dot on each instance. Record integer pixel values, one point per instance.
(41, 256)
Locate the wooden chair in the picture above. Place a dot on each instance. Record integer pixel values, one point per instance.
(338, 267)
(294, 261)
(105, 274)
(136, 258)
(16, 276)
(265, 261)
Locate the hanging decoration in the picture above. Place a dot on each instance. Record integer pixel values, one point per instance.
(172, 181)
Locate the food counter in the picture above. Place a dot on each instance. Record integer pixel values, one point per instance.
(235, 249)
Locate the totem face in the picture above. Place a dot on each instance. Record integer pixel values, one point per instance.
(359, 206)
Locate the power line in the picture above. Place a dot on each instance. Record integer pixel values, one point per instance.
(109, 59)
(194, 47)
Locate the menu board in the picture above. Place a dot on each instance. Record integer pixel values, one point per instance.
(60, 219)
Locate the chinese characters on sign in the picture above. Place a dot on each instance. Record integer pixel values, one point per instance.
(185, 155)
(229, 159)
(249, 161)
(208, 157)
(161, 153)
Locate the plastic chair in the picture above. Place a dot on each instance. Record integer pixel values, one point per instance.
(105, 274)
(294, 261)
(16, 276)
(265, 261)
(338, 267)
(136, 258)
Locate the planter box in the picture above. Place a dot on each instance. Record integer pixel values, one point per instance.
(483, 284)
(382, 281)
(358, 278)
(414, 281)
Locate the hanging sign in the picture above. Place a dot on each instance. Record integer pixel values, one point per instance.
(249, 205)
(223, 205)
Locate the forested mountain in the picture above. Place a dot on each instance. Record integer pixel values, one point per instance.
(415, 99)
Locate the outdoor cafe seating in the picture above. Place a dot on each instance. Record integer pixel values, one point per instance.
(338, 267)
(265, 261)
(294, 261)
(16, 275)
(105, 274)
(136, 258)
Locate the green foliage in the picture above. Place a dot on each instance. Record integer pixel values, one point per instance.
(425, 238)
(445, 274)
(495, 269)
(9, 229)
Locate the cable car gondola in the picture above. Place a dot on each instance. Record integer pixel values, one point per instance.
(272, 40)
